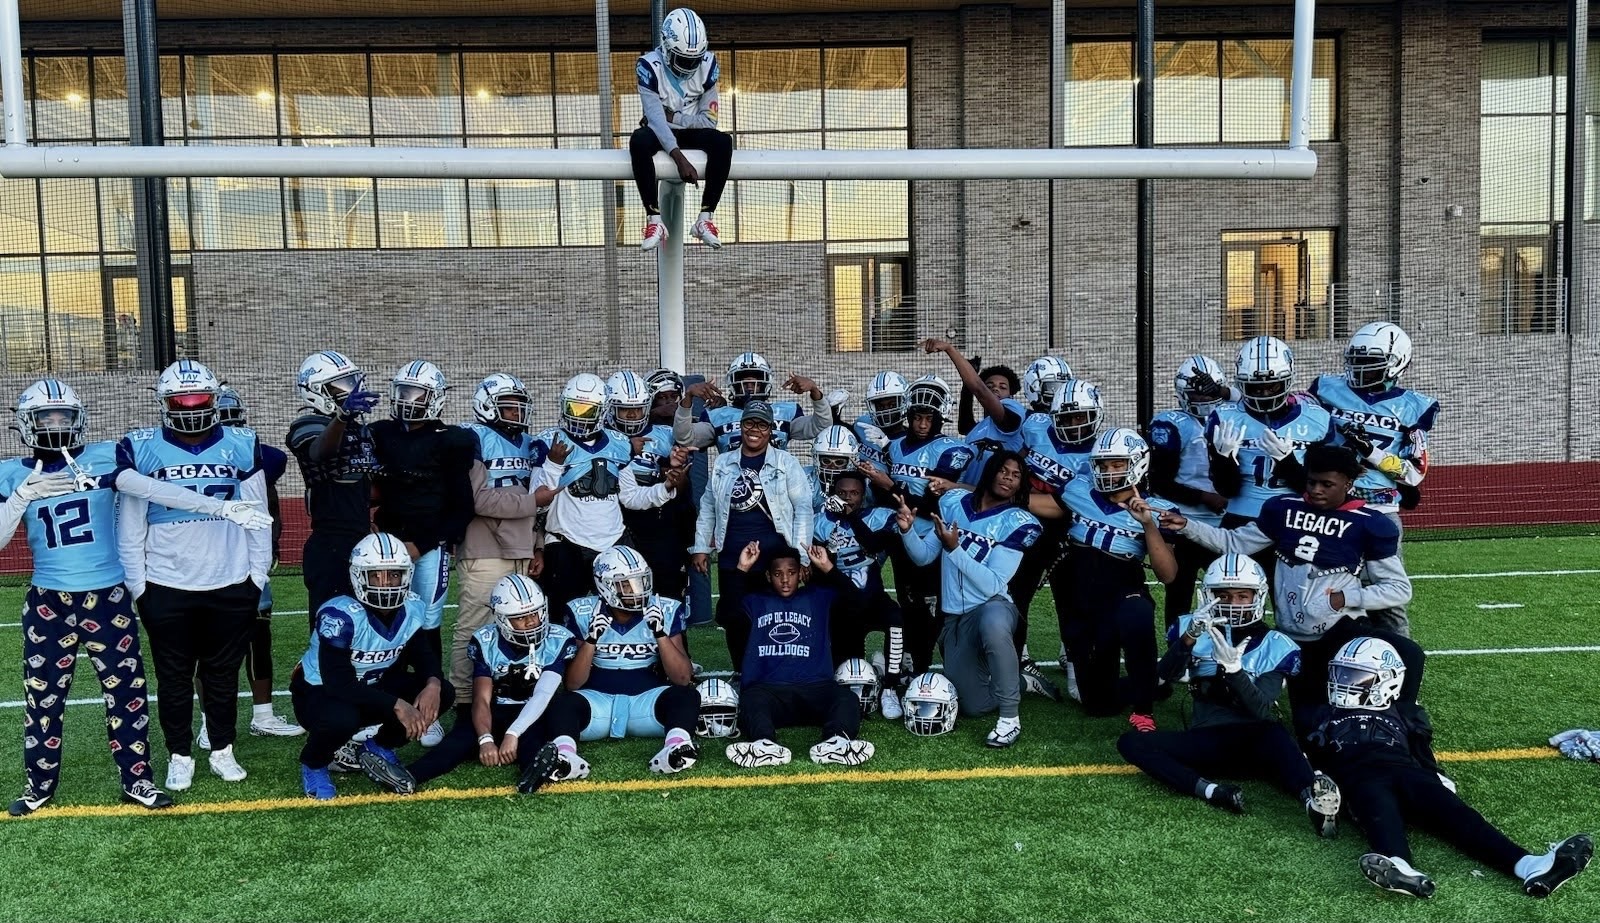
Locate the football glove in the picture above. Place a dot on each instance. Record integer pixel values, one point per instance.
(250, 514)
(1277, 446)
(874, 435)
(1227, 440)
(1198, 624)
(1228, 657)
(1355, 437)
(356, 403)
(833, 505)
(656, 620)
(598, 627)
(41, 486)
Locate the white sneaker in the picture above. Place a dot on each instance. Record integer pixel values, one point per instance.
(365, 734)
(203, 739)
(754, 755)
(655, 231)
(433, 735)
(571, 767)
(180, 773)
(225, 766)
(841, 749)
(1005, 733)
(274, 726)
(707, 232)
(889, 704)
(670, 759)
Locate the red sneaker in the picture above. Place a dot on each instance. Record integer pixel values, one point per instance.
(654, 233)
(1144, 724)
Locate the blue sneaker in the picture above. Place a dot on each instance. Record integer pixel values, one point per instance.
(317, 782)
(383, 767)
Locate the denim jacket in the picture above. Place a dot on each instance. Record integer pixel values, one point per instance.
(788, 493)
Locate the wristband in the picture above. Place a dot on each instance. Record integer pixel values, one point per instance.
(485, 739)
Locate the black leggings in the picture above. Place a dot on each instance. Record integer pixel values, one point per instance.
(718, 147)
(330, 720)
(1125, 629)
(1257, 749)
(1383, 799)
(461, 744)
(259, 662)
(1192, 561)
(763, 709)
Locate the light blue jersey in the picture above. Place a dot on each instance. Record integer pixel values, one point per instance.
(988, 550)
(1181, 433)
(1099, 523)
(73, 537)
(506, 462)
(868, 450)
(1397, 421)
(650, 463)
(345, 624)
(1302, 421)
(837, 534)
(1272, 652)
(1051, 462)
(626, 656)
(986, 436)
(913, 461)
(724, 422)
(216, 467)
(515, 669)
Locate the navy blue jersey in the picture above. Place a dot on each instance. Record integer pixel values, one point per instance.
(338, 489)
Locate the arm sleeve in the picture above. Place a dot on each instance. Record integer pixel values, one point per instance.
(655, 115)
(1291, 473)
(801, 496)
(1246, 539)
(134, 484)
(499, 502)
(872, 540)
(1174, 661)
(543, 691)
(811, 425)
(11, 513)
(1257, 697)
(1164, 474)
(635, 497)
(422, 652)
(1385, 585)
(131, 528)
(687, 431)
(258, 542)
(1225, 474)
(923, 549)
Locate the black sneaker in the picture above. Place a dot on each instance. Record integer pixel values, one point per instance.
(1322, 806)
(1034, 681)
(1570, 858)
(383, 767)
(546, 763)
(145, 793)
(1228, 797)
(347, 758)
(1396, 875)
(28, 802)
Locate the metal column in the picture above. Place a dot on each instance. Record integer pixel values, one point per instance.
(1144, 137)
(152, 246)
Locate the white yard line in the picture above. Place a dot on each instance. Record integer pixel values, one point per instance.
(1501, 606)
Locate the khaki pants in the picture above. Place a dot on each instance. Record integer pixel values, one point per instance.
(476, 579)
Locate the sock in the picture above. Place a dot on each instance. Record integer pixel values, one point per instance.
(1204, 788)
(651, 211)
(261, 712)
(895, 637)
(565, 744)
(1531, 865)
(705, 216)
(677, 737)
(1025, 653)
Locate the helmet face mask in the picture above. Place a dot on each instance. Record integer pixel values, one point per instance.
(187, 392)
(1075, 411)
(628, 400)
(719, 709)
(1366, 673)
(502, 401)
(1119, 460)
(56, 428)
(1041, 380)
(380, 572)
(1265, 396)
(623, 579)
(337, 389)
(521, 612)
(50, 417)
(1230, 574)
(583, 405)
(886, 400)
(749, 378)
(417, 392)
(1377, 356)
(326, 379)
(1263, 369)
(411, 402)
(230, 409)
(1199, 387)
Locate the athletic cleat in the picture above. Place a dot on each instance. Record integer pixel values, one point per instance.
(347, 758)
(145, 794)
(317, 783)
(1228, 798)
(1144, 724)
(1569, 858)
(365, 734)
(571, 768)
(707, 232)
(655, 231)
(225, 767)
(1033, 681)
(842, 750)
(889, 700)
(1395, 874)
(546, 763)
(670, 759)
(180, 773)
(1004, 734)
(28, 802)
(757, 754)
(275, 726)
(432, 736)
(1322, 806)
(383, 767)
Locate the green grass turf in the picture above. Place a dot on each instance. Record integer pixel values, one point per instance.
(1101, 847)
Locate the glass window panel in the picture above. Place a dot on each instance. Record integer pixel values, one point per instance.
(116, 216)
(416, 94)
(178, 213)
(111, 101)
(1324, 89)
(19, 216)
(515, 213)
(582, 203)
(577, 85)
(509, 94)
(1188, 93)
(329, 213)
(230, 96)
(1255, 89)
(422, 212)
(849, 287)
(172, 116)
(626, 110)
(1099, 94)
(236, 213)
(866, 87)
(1517, 77)
(780, 210)
(1517, 170)
(324, 94)
(77, 321)
(867, 209)
(61, 98)
(70, 223)
(21, 316)
(1591, 183)
(778, 90)
(866, 140)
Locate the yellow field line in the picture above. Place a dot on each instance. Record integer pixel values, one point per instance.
(848, 776)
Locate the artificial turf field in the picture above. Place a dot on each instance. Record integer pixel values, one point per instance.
(937, 829)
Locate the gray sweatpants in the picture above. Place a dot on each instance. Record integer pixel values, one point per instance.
(981, 659)
(1395, 619)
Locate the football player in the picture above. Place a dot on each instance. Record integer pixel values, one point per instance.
(837, 452)
(1386, 425)
(1180, 460)
(662, 533)
(1379, 747)
(859, 540)
(630, 639)
(1109, 612)
(974, 542)
(999, 380)
(65, 496)
(749, 379)
(678, 92)
(1001, 427)
(197, 579)
(374, 659)
(1236, 668)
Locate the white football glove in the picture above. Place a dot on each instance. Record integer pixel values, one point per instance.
(837, 397)
(1228, 439)
(1447, 782)
(656, 620)
(833, 505)
(1279, 447)
(599, 626)
(251, 514)
(1198, 623)
(81, 478)
(1228, 657)
(41, 486)
(874, 435)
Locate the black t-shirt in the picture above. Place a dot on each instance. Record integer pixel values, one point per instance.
(749, 519)
(338, 489)
(424, 481)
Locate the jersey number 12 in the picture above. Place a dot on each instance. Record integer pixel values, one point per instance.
(66, 523)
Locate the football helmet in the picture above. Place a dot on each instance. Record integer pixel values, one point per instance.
(1366, 673)
(504, 400)
(1235, 572)
(583, 405)
(749, 379)
(1377, 356)
(930, 705)
(861, 679)
(623, 579)
(230, 407)
(50, 416)
(1119, 444)
(886, 399)
(516, 596)
(929, 394)
(1041, 379)
(187, 392)
(1199, 385)
(376, 553)
(1075, 411)
(417, 392)
(836, 452)
(326, 379)
(719, 709)
(628, 403)
(1263, 369)
(683, 41)
(663, 381)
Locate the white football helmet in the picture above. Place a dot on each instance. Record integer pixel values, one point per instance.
(50, 416)
(683, 41)
(503, 398)
(664, 381)
(628, 400)
(719, 709)
(380, 552)
(516, 596)
(417, 392)
(749, 379)
(623, 579)
(886, 399)
(1199, 385)
(1041, 379)
(1235, 572)
(929, 394)
(1119, 444)
(583, 405)
(930, 705)
(862, 680)
(326, 379)
(1263, 370)
(187, 392)
(1366, 673)
(1075, 411)
(230, 407)
(1377, 356)
(836, 452)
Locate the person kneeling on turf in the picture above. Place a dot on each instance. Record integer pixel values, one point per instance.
(1236, 667)
(370, 662)
(518, 663)
(1380, 749)
(786, 677)
(631, 638)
